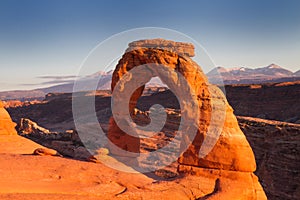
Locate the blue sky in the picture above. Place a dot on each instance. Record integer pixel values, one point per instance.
(51, 38)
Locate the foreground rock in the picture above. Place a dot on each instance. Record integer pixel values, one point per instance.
(44, 177)
(65, 143)
(46, 152)
(278, 181)
(47, 177)
(10, 141)
(7, 126)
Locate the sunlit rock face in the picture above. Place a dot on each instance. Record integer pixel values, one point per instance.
(230, 161)
(232, 151)
(7, 126)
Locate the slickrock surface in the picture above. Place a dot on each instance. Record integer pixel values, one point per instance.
(45, 177)
(263, 138)
(10, 141)
(7, 126)
(16, 144)
(277, 152)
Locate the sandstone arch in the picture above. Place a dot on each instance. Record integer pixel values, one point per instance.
(231, 152)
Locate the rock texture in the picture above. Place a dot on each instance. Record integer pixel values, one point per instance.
(55, 112)
(48, 177)
(7, 126)
(31, 129)
(180, 48)
(8, 136)
(15, 144)
(232, 152)
(267, 138)
(276, 148)
(276, 101)
(65, 143)
(45, 152)
(238, 157)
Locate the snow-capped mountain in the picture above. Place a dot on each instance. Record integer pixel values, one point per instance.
(245, 75)
(219, 75)
(100, 79)
(297, 73)
(100, 74)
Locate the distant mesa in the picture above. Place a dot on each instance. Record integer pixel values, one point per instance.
(243, 75)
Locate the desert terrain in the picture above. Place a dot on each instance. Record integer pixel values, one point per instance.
(256, 156)
(274, 142)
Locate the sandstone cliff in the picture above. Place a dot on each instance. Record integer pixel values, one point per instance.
(7, 126)
(276, 148)
(276, 101)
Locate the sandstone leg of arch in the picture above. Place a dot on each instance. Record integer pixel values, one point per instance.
(228, 184)
(121, 140)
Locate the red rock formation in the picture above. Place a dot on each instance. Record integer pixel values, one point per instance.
(67, 143)
(7, 126)
(10, 141)
(238, 157)
(230, 159)
(275, 145)
(180, 48)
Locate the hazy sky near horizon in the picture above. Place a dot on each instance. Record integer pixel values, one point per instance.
(51, 38)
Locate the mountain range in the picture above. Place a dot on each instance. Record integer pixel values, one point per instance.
(219, 75)
(242, 75)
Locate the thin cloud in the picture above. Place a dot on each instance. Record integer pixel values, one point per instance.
(57, 77)
(53, 82)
